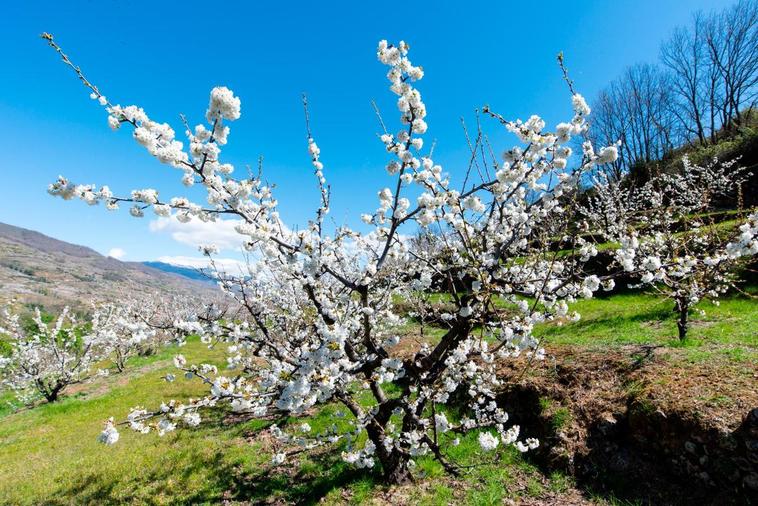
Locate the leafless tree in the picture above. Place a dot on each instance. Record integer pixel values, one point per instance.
(635, 110)
(685, 55)
(713, 65)
(732, 40)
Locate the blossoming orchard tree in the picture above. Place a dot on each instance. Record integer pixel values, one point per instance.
(318, 323)
(141, 325)
(668, 236)
(48, 358)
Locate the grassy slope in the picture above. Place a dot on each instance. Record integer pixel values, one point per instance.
(58, 442)
(50, 454)
(632, 318)
(215, 461)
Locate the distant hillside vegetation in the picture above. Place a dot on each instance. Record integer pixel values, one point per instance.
(740, 145)
(187, 272)
(38, 269)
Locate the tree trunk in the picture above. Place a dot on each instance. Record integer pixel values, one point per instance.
(396, 470)
(683, 309)
(52, 394)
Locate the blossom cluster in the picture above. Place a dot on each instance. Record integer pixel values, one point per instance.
(46, 358)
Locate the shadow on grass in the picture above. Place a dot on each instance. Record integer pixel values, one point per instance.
(304, 485)
(308, 485)
(223, 479)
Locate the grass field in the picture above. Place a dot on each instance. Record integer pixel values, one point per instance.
(215, 461)
(633, 318)
(49, 454)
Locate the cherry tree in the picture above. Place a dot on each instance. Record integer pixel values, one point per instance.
(124, 331)
(47, 358)
(313, 320)
(139, 325)
(668, 237)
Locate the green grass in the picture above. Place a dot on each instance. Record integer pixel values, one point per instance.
(49, 454)
(207, 464)
(58, 442)
(633, 318)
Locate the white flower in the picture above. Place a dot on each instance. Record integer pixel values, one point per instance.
(607, 154)
(162, 210)
(240, 404)
(208, 249)
(222, 386)
(223, 104)
(164, 426)
(109, 435)
(472, 202)
(580, 105)
(487, 441)
(192, 419)
(441, 423)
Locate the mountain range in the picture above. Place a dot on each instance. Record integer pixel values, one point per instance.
(40, 270)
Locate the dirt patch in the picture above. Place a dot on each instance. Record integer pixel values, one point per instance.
(642, 422)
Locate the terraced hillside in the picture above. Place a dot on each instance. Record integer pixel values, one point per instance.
(38, 269)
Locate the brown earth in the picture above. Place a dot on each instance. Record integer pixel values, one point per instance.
(642, 423)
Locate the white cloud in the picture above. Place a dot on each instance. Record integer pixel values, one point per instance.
(229, 265)
(117, 253)
(195, 233)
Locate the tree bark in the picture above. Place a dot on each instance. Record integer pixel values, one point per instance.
(396, 471)
(683, 309)
(52, 394)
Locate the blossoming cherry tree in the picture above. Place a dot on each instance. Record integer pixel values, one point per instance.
(317, 323)
(668, 237)
(47, 358)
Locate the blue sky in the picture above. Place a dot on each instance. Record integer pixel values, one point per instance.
(166, 56)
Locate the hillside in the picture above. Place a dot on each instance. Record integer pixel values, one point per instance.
(740, 145)
(42, 270)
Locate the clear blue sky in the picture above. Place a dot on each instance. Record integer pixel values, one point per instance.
(166, 56)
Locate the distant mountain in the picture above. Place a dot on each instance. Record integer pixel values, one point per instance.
(187, 272)
(38, 269)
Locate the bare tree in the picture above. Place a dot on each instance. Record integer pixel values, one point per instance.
(635, 110)
(731, 38)
(685, 55)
